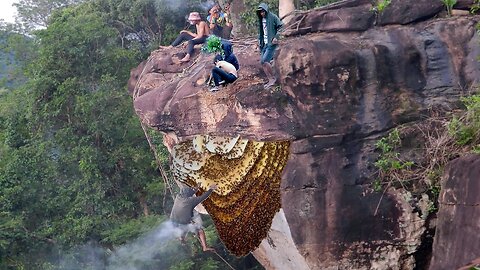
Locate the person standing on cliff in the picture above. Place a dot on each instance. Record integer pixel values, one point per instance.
(185, 217)
(269, 25)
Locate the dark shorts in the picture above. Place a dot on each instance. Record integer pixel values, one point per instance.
(268, 51)
(194, 226)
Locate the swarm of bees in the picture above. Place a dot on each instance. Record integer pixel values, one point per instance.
(248, 176)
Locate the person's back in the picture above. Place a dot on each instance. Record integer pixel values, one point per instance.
(184, 216)
(182, 210)
(227, 67)
(185, 202)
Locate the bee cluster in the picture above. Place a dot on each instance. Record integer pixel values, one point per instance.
(248, 176)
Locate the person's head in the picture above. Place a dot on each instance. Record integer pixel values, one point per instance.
(217, 58)
(262, 10)
(262, 13)
(194, 18)
(215, 9)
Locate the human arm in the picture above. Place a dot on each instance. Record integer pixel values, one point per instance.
(228, 19)
(211, 21)
(197, 200)
(278, 29)
(188, 32)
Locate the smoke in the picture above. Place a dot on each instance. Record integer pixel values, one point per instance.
(202, 6)
(145, 249)
(173, 4)
(153, 250)
(176, 4)
(207, 5)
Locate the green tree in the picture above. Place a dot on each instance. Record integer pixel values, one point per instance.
(36, 13)
(76, 163)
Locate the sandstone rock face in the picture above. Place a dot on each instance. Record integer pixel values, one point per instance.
(457, 238)
(344, 81)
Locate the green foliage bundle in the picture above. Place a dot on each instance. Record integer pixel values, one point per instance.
(475, 7)
(381, 5)
(389, 161)
(213, 45)
(449, 5)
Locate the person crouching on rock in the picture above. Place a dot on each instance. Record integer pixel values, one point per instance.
(202, 29)
(223, 73)
(185, 217)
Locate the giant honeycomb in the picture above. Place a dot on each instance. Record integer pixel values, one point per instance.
(248, 175)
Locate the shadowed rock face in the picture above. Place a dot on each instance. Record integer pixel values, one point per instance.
(343, 83)
(457, 241)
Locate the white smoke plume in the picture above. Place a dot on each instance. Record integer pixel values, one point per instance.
(175, 4)
(144, 249)
(151, 249)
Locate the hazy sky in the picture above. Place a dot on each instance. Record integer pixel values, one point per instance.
(7, 11)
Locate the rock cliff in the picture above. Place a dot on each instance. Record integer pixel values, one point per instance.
(347, 75)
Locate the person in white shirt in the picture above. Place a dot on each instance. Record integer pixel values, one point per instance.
(223, 73)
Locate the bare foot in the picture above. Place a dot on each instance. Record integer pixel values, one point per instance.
(270, 83)
(186, 58)
(205, 249)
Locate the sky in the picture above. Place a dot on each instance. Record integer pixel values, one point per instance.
(7, 11)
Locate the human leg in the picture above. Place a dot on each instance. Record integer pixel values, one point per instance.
(267, 56)
(203, 241)
(183, 36)
(268, 69)
(227, 32)
(216, 75)
(219, 75)
(198, 226)
(191, 47)
(218, 31)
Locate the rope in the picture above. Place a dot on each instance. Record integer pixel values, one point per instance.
(214, 251)
(159, 164)
(231, 267)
